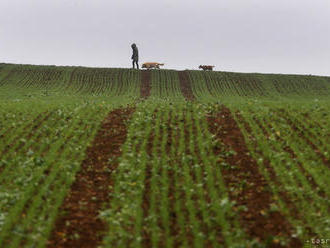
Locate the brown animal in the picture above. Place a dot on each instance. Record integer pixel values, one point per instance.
(206, 67)
(149, 65)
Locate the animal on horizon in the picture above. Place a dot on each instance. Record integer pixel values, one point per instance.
(206, 67)
(149, 65)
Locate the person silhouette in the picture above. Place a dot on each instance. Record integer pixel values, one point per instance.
(135, 56)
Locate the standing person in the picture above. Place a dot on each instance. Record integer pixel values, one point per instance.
(135, 56)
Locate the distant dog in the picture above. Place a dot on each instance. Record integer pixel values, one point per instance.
(206, 67)
(149, 65)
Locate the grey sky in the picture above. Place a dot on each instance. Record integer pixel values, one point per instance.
(280, 36)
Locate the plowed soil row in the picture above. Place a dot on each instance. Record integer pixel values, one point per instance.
(284, 195)
(80, 225)
(272, 174)
(145, 84)
(185, 86)
(258, 221)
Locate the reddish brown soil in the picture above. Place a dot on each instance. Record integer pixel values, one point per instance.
(251, 188)
(293, 209)
(145, 84)
(80, 225)
(268, 166)
(185, 86)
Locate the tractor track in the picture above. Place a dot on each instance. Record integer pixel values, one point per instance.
(80, 225)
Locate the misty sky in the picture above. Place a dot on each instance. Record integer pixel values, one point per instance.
(280, 36)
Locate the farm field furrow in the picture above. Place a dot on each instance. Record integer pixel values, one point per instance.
(114, 157)
(185, 86)
(90, 190)
(302, 174)
(33, 168)
(40, 161)
(145, 84)
(247, 187)
(182, 191)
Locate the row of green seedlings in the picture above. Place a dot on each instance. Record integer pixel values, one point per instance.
(299, 85)
(200, 89)
(88, 81)
(9, 121)
(215, 88)
(310, 121)
(15, 117)
(76, 81)
(37, 176)
(313, 132)
(165, 84)
(220, 85)
(35, 78)
(168, 188)
(244, 84)
(268, 139)
(4, 73)
(34, 82)
(309, 161)
(113, 82)
(207, 89)
(300, 146)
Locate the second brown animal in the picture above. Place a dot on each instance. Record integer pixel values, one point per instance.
(206, 67)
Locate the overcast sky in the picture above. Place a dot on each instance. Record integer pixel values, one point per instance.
(280, 36)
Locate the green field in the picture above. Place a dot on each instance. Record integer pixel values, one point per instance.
(101, 157)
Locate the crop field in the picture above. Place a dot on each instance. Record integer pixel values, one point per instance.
(110, 157)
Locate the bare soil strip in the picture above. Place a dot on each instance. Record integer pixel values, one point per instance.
(80, 225)
(251, 187)
(290, 203)
(185, 86)
(146, 84)
(269, 168)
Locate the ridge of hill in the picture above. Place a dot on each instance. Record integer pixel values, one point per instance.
(122, 81)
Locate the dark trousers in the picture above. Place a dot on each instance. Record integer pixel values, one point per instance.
(135, 62)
